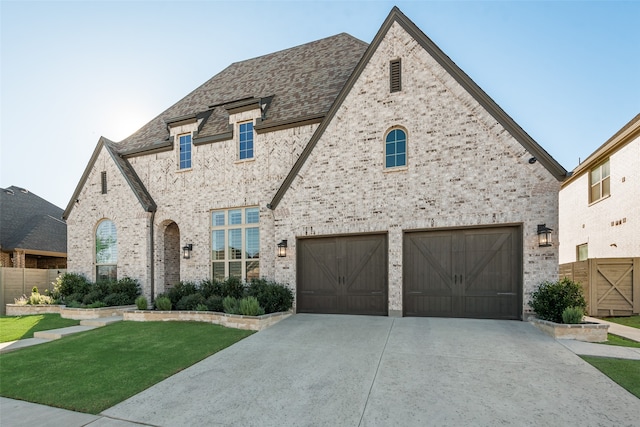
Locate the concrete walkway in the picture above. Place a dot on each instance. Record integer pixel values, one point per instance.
(372, 371)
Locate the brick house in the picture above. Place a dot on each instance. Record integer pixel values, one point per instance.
(373, 179)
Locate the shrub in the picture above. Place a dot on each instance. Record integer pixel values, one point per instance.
(72, 283)
(163, 303)
(250, 306)
(273, 297)
(34, 290)
(209, 288)
(74, 304)
(233, 287)
(201, 307)
(572, 315)
(37, 298)
(214, 303)
(74, 298)
(190, 302)
(551, 299)
(141, 303)
(117, 299)
(179, 291)
(230, 305)
(127, 286)
(97, 304)
(93, 296)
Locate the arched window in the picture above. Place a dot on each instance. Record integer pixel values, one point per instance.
(106, 251)
(395, 151)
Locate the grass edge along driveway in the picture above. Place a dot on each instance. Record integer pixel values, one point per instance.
(14, 328)
(94, 370)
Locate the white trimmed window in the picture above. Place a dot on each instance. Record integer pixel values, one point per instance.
(106, 251)
(599, 182)
(245, 141)
(235, 243)
(582, 252)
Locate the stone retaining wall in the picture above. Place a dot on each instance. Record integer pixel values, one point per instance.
(252, 323)
(26, 310)
(588, 332)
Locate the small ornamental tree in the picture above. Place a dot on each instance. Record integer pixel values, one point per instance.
(552, 298)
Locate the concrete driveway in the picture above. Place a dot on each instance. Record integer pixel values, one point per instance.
(326, 370)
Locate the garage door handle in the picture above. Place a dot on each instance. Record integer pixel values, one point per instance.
(505, 293)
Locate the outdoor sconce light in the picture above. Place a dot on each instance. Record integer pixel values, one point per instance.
(544, 235)
(282, 248)
(186, 251)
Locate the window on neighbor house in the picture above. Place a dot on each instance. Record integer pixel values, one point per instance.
(245, 135)
(395, 150)
(103, 182)
(235, 243)
(106, 251)
(582, 252)
(599, 182)
(185, 151)
(395, 74)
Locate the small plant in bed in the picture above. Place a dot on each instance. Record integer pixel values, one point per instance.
(551, 299)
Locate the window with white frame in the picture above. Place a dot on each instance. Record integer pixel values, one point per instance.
(106, 251)
(582, 252)
(599, 182)
(235, 243)
(245, 141)
(185, 151)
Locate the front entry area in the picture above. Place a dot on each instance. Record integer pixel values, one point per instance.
(342, 275)
(474, 273)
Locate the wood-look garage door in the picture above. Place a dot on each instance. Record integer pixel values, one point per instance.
(463, 273)
(345, 275)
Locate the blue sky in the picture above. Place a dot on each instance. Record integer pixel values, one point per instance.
(567, 72)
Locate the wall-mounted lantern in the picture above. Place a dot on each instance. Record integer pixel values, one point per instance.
(544, 235)
(186, 251)
(282, 248)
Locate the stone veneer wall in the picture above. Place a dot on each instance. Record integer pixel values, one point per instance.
(463, 169)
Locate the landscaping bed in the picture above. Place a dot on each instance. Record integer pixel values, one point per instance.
(588, 332)
(251, 323)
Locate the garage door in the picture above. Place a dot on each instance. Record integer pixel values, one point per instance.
(345, 275)
(463, 273)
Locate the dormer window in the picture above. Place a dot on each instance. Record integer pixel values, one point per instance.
(185, 151)
(245, 141)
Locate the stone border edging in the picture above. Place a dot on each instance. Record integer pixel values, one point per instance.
(587, 332)
(252, 323)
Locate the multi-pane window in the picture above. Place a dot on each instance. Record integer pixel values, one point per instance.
(599, 184)
(185, 151)
(235, 243)
(395, 149)
(582, 252)
(246, 140)
(106, 251)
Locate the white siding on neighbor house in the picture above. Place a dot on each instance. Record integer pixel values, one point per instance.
(464, 169)
(581, 222)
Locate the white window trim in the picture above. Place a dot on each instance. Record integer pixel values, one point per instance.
(226, 227)
(237, 142)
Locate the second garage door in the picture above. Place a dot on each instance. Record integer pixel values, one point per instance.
(345, 275)
(463, 273)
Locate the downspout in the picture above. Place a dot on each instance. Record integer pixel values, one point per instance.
(151, 255)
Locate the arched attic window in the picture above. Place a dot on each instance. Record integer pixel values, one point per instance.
(395, 148)
(106, 251)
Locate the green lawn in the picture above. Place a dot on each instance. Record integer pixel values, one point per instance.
(19, 327)
(621, 341)
(92, 371)
(633, 321)
(624, 372)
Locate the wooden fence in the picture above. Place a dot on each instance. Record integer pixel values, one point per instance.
(611, 285)
(15, 282)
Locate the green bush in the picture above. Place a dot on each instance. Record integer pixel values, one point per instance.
(93, 296)
(214, 303)
(74, 304)
(209, 288)
(250, 306)
(70, 284)
(190, 302)
(552, 298)
(273, 297)
(163, 303)
(127, 286)
(233, 287)
(179, 291)
(97, 304)
(201, 307)
(572, 315)
(230, 305)
(74, 298)
(37, 298)
(112, 300)
(141, 303)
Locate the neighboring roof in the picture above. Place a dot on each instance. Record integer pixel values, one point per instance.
(299, 83)
(29, 222)
(129, 174)
(463, 79)
(628, 133)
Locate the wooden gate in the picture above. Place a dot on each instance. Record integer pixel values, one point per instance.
(611, 285)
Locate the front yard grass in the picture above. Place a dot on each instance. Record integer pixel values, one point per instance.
(94, 370)
(624, 372)
(633, 321)
(621, 341)
(14, 328)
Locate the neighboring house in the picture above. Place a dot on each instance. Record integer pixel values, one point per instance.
(32, 232)
(600, 201)
(373, 179)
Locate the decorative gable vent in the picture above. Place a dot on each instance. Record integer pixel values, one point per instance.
(396, 78)
(103, 179)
